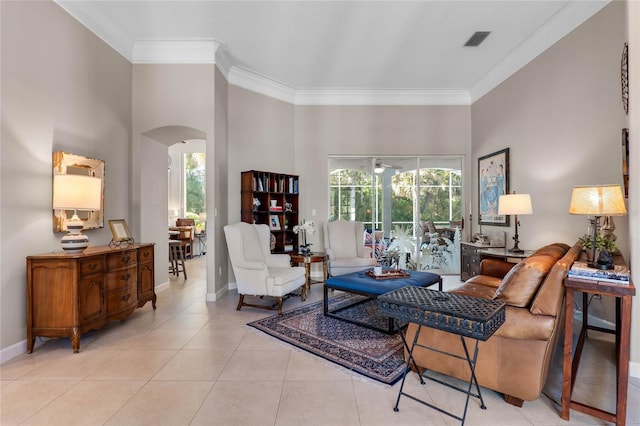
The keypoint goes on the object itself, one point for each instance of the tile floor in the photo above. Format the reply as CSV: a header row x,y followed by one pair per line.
x,y
197,363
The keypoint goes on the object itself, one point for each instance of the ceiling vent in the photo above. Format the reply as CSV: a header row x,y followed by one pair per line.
x,y
477,38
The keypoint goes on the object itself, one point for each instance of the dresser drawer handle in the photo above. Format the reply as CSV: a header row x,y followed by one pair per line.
x,y
126,297
146,254
125,259
125,277
93,266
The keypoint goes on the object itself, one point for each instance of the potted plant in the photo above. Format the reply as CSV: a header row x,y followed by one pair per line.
x,y
605,247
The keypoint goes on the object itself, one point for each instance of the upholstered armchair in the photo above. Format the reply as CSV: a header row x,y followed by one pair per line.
x,y
344,244
257,271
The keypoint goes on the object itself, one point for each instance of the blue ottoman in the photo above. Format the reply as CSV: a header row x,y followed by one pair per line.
x,y
362,284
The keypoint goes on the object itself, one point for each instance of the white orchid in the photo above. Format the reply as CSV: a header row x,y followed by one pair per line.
x,y
307,227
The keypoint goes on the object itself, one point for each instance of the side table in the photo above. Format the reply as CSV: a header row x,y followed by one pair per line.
x,y
623,295
465,316
307,260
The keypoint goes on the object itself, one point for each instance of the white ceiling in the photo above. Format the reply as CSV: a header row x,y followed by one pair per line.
x,y
347,52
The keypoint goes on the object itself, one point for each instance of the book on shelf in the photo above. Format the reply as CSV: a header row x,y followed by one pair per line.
x,y
275,209
288,248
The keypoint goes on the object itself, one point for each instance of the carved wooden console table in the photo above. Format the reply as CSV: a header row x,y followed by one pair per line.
x,y
70,294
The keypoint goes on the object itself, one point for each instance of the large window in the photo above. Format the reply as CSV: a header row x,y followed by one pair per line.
x,y
384,192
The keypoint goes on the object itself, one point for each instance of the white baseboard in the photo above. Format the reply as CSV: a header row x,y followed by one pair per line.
x,y
212,297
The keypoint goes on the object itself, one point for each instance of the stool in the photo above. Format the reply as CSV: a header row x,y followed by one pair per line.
x,y
176,258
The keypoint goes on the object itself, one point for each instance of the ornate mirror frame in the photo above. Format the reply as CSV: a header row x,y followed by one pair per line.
x,y
66,163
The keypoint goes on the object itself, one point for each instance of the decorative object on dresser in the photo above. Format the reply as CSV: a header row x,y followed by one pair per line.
x,y
76,192
597,201
272,199
120,233
493,181
70,294
515,204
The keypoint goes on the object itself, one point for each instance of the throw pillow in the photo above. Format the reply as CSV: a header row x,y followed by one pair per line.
x,y
522,281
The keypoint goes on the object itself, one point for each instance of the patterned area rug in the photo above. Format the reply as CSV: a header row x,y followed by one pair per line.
x,y
368,352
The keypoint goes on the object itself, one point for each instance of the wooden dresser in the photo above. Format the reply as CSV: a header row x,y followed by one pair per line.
x,y
70,294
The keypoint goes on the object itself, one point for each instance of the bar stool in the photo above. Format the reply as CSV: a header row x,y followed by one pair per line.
x,y
176,259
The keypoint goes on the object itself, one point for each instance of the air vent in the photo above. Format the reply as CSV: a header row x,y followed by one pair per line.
x,y
477,38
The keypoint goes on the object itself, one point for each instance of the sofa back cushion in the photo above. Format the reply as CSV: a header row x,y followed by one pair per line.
x,y
548,300
523,280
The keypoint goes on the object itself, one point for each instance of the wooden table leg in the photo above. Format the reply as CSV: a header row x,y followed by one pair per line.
x,y
623,337
567,350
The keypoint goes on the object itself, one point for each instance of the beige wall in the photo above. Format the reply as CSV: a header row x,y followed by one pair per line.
x,y
62,89
218,209
562,117
321,131
169,95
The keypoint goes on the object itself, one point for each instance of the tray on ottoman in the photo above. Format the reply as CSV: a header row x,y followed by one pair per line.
x,y
464,315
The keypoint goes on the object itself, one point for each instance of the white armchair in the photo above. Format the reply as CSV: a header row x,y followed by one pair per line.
x,y
257,271
344,243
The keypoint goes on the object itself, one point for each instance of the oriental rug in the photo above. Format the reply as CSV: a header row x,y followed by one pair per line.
x,y
368,352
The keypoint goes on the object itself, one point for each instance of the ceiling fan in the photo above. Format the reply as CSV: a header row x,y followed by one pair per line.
x,y
380,166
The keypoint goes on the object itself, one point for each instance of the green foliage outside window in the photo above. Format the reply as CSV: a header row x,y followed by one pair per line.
x,y
352,194
195,182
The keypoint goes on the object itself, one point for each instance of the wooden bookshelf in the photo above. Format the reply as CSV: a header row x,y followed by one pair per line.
x,y
280,189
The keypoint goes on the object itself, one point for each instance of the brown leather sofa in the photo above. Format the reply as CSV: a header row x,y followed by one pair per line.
x,y
515,360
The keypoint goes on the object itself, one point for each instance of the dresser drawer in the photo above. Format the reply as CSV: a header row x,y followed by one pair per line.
x,y
92,265
468,249
124,278
122,300
145,254
121,259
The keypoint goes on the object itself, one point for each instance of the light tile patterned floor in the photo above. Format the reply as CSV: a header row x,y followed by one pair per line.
x,y
192,362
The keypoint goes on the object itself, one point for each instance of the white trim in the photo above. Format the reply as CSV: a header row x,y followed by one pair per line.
x,y
383,97
260,84
14,350
196,51
212,297
559,25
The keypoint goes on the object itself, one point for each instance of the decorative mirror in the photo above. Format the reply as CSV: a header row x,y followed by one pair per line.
x,y
65,163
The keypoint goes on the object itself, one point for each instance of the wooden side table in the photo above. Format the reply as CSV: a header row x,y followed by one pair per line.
x,y
308,259
623,295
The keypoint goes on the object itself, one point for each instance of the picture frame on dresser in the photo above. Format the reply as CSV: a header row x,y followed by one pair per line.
x,y
119,230
493,181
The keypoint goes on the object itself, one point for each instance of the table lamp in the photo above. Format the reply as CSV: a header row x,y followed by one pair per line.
x,y
515,204
76,192
597,201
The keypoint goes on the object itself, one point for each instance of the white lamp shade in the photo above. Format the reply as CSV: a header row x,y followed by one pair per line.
x,y
515,204
597,200
77,192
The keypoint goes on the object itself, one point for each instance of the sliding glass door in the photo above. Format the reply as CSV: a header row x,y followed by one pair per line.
x,y
397,196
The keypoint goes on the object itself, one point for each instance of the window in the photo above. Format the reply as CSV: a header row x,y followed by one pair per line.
x,y
195,187
393,193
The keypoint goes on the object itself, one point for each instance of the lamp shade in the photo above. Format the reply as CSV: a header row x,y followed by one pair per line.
x,y
597,200
76,192
515,204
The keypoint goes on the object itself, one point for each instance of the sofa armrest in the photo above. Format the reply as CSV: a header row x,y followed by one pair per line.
x,y
522,324
495,267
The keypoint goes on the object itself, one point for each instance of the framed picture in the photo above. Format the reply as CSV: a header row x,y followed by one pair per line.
x,y
493,181
625,161
274,222
119,230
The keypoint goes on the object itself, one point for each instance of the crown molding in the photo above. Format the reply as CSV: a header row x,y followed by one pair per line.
x,y
558,26
260,84
196,51
383,97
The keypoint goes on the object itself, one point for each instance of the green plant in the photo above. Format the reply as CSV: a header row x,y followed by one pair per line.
x,y
602,243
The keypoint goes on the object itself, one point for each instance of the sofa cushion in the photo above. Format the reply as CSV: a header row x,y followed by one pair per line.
x,y
522,281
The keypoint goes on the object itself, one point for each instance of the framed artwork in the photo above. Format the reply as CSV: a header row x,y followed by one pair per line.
x,y
119,230
625,161
493,181
274,222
